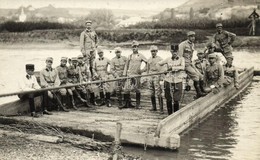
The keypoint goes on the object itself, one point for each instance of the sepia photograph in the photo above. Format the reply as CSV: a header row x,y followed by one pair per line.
x,y
129,80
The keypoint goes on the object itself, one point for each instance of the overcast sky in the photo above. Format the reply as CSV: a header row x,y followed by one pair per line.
x,y
109,4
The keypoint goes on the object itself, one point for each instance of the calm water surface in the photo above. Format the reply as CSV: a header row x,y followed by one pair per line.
x,y
231,132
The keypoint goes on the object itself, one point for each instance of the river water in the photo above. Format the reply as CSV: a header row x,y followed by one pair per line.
x,y
231,132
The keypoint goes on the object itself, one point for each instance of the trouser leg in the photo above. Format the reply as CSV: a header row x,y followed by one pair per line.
x,y
153,100
176,106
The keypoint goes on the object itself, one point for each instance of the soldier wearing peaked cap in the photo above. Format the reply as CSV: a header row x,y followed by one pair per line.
x,y
88,44
133,68
173,81
62,70
186,49
154,81
29,83
49,78
117,68
73,78
214,73
100,71
224,40
230,72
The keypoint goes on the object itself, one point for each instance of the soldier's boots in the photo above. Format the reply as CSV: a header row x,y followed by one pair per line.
x,y
108,103
119,96
153,100
92,99
138,100
176,106
169,106
160,99
86,101
201,84
61,104
73,102
102,97
198,90
126,98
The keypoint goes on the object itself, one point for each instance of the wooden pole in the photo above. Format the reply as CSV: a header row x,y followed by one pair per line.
x,y
78,84
117,148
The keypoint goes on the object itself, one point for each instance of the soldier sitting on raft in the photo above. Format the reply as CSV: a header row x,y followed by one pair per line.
x,y
29,83
201,63
214,74
63,76
230,73
49,78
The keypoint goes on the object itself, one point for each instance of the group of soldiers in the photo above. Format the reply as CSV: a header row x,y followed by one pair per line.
x,y
206,72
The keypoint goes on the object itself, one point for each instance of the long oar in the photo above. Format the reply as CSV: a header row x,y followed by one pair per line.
x,y
78,84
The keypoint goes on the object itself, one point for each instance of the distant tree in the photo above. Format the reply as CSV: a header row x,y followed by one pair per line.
x,y
103,18
191,13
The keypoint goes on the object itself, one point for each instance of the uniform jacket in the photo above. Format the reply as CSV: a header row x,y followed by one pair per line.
x,y
225,39
88,40
28,83
63,74
186,49
49,78
215,74
84,72
101,67
117,66
73,74
177,66
152,64
133,64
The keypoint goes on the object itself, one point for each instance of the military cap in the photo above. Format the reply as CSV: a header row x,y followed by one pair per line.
x,y
49,59
230,56
29,66
80,56
153,48
135,43
175,47
211,45
190,33
88,21
212,55
100,50
74,59
64,59
118,49
219,25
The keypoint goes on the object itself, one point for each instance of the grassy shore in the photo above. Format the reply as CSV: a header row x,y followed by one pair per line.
x,y
69,38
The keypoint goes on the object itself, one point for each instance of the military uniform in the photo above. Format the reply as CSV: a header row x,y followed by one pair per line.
x,y
88,45
49,78
29,83
133,68
225,39
230,74
214,74
117,68
100,70
173,86
186,49
201,65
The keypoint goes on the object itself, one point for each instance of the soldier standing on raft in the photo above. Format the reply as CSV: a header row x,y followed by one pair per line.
x,y
173,81
154,81
88,44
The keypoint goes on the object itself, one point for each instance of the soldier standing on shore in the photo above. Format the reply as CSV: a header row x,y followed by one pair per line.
x,y
254,17
186,49
88,44
154,81
133,68
224,39
117,68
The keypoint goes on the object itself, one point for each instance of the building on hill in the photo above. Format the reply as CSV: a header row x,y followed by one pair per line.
x,y
22,16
